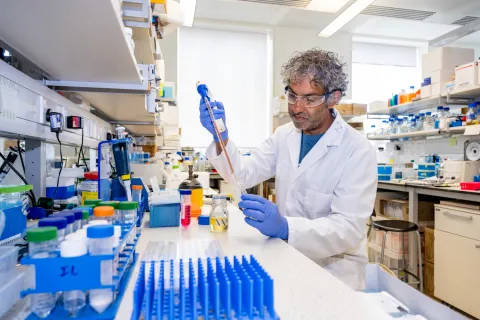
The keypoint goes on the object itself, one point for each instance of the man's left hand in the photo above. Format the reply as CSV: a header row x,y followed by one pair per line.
x,y
264,216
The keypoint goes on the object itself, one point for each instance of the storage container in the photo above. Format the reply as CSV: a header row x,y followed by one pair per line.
x,y
10,291
384,169
165,209
8,261
64,191
88,188
384,177
427,167
14,205
422,174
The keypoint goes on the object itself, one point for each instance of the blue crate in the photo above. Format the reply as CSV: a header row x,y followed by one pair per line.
x,y
384,177
242,290
426,173
15,222
384,169
426,167
63,193
165,215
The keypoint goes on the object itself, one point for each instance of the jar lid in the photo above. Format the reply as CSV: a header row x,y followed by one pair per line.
x,y
93,202
87,208
78,213
185,192
73,248
41,234
137,187
58,222
102,231
104,211
16,188
85,215
70,216
127,205
80,234
92,175
113,204
204,220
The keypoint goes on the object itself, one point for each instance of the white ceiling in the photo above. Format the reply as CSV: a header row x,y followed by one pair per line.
x,y
446,12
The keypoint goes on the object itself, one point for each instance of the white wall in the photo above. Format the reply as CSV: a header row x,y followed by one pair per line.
x,y
290,40
169,51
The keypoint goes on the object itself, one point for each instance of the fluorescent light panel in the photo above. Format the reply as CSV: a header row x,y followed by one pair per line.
x,y
188,8
347,15
331,6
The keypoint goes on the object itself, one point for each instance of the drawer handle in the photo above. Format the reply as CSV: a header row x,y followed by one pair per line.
x,y
477,246
458,216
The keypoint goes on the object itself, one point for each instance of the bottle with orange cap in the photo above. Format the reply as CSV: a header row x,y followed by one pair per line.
x,y
104,213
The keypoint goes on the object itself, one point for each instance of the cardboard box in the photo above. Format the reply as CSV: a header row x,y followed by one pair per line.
x,y
359,109
442,76
345,108
428,279
425,209
466,75
426,92
445,58
436,89
429,244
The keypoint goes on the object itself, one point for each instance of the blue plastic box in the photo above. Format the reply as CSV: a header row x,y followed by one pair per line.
x,y
63,193
14,204
426,174
384,177
381,170
426,167
165,209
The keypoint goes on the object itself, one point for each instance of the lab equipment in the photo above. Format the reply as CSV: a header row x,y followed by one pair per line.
x,y
70,216
14,205
165,209
185,207
104,213
218,124
100,242
92,202
77,224
137,193
191,183
42,243
58,222
384,169
429,122
219,216
127,211
88,188
114,205
462,171
74,300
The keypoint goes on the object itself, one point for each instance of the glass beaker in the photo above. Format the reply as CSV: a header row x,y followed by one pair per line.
x,y
219,214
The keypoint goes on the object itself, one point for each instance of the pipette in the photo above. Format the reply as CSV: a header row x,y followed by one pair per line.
x,y
202,89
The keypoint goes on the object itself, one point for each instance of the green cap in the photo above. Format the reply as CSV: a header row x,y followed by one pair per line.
x,y
93,202
175,167
41,234
16,188
85,214
128,205
113,204
88,205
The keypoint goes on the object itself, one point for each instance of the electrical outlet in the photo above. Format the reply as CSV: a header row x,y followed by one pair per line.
x,y
55,119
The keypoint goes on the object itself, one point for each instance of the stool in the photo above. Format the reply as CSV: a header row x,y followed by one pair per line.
x,y
402,227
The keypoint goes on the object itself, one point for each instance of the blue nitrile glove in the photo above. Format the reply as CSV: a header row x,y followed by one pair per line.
x,y
264,216
218,113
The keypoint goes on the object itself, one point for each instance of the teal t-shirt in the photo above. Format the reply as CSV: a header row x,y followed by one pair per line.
x,y
307,144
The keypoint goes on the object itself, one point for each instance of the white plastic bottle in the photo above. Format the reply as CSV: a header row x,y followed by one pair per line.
x,y
42,243
100,242
75,300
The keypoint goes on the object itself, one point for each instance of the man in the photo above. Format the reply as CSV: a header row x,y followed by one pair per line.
x,y
325,171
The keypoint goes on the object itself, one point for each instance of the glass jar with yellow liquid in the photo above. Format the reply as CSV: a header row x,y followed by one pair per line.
x,y
219,214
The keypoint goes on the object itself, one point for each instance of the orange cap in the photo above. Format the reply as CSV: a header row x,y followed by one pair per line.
x,y
136,187
104,211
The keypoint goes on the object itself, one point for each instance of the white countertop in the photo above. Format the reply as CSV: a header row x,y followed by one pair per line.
x,y
303,290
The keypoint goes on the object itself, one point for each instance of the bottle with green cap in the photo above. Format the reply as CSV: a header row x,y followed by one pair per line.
x,y
42,243
93,202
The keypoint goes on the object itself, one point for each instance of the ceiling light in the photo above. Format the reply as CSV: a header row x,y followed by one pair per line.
x,y
326,5
188,8
347,15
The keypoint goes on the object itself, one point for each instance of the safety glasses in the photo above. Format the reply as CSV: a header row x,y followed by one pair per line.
x,y
310,101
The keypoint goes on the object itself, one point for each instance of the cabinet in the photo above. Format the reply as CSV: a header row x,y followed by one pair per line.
x,y
457,258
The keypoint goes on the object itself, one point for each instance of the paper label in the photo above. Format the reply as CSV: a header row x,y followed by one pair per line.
x,y
89,195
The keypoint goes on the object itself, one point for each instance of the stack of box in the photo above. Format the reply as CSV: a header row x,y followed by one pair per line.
x,y
466,76
439,65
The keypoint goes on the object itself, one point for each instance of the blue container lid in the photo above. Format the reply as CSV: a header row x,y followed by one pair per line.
x,y
204,220
70,216
101,231
78,213
59,222
446,108
439,108
185,192
428,113
90,210
421,114
472,105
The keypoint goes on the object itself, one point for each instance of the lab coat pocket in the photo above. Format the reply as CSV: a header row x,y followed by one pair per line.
x,y
316,204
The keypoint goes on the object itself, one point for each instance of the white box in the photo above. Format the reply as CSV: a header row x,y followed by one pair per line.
x,y
446,58
426,92
436,89
466,75
449,86
442,76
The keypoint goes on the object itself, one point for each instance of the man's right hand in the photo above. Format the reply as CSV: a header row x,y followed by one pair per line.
x,y
218,113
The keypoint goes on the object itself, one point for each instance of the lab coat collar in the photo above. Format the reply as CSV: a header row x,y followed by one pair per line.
x,y
332,138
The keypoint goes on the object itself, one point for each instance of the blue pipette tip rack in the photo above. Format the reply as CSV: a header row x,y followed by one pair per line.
x,y
217,289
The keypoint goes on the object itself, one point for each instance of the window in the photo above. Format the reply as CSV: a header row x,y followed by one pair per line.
x,y
235,67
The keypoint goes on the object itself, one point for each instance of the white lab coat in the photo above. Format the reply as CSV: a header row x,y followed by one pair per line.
x,y
327,200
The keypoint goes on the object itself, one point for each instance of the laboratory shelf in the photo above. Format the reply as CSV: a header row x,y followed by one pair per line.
x,y
397,136
144,45
470,92
55,37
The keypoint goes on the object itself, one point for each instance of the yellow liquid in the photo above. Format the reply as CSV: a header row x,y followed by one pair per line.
x,y
197,197
219,224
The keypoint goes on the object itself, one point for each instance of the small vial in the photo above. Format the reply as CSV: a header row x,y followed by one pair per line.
x,y
185,206
58,222
104,213
114,204
137,193
85,217
77,224
127,211
70,216
219,214
100,242
117,233
75,300
42,243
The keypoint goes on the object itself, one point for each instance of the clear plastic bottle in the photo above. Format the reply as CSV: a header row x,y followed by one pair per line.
x,y
428,123
100,242
410,117
104,213
58,222
168,167
75,300
384,127
404,128
388,129
438,116
471,114
420,120
42,243
70,216
444,120
219,214
186,206
88,188
413,126
77,224
127,211
394,129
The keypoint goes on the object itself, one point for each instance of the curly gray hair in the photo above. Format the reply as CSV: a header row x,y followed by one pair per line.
x,y
324,67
